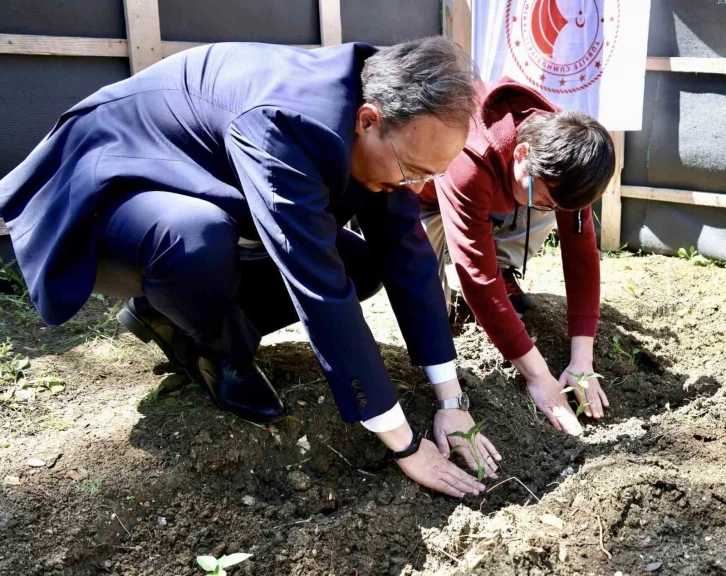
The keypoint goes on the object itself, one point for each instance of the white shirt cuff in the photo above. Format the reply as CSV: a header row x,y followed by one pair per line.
x,y
387,421
441,372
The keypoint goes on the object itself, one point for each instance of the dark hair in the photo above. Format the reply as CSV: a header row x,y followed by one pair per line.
x,y
572,152
427,76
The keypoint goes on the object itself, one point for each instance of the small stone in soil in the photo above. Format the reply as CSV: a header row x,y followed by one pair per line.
x,y
653,566
300,481
304,444
161,521
248,501
36,463
11,481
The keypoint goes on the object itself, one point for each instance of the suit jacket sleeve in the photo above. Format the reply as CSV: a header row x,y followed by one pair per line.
x,y
391,225
275,155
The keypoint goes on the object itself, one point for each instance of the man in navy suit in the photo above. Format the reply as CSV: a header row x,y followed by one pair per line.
x,y
212,189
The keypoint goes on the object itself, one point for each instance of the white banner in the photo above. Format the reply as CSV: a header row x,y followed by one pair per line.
x,y
585,55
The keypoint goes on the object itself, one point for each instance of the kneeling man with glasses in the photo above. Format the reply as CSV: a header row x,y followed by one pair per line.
x,y
526,168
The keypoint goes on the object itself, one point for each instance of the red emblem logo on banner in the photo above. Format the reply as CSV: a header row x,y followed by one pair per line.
x,y
560,45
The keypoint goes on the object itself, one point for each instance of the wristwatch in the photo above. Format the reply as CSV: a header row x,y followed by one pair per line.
x,y
412,448
461,402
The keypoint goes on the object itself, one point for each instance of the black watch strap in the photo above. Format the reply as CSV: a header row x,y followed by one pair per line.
x,y
412,448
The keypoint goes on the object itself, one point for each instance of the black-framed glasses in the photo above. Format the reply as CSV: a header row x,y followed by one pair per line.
x,y
409,181
538,207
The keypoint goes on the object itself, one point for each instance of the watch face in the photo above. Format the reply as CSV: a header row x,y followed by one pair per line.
x,y
464,401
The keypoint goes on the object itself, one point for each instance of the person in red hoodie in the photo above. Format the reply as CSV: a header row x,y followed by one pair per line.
x,y
526,167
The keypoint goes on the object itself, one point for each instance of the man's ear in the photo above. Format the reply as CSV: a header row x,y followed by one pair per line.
x,y
368,117
521,151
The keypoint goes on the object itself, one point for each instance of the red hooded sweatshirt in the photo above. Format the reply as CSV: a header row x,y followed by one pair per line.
x,y
479,182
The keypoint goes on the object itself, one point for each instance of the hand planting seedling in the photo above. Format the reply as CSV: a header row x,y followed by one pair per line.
x,y
581,384
470,437
618,347
214,567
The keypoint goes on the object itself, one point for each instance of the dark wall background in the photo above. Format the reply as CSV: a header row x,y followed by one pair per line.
x,y
35,90
387,22
684,134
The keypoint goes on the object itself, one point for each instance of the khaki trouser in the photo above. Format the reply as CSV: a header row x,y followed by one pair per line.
x,y
509,242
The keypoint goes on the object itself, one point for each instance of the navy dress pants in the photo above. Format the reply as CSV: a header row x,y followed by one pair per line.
x,y
182,254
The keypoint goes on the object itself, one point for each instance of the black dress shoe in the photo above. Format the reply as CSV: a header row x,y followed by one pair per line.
x,y
244,391
146,323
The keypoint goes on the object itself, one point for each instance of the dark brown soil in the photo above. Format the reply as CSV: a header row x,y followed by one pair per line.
x,y
142,474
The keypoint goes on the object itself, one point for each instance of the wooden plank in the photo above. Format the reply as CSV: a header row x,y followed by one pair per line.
x,y
676,196
3,229
693,65
331,25
32,45
611,204
168,47
457,25
143,32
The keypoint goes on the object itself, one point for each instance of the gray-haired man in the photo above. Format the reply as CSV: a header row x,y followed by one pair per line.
x,y
239,164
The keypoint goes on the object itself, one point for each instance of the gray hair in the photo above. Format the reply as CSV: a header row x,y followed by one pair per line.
x,y
427,76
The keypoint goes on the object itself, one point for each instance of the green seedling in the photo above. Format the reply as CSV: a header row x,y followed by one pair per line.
x,y
618,347
10,275
214,567
692,255
581,384
92,486
470,438
12,365
53,384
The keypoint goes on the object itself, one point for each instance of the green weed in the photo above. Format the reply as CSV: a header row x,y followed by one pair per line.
x,y
618,347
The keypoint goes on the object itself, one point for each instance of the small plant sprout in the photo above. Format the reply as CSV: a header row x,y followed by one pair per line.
x,y
692,255
214,567
581,384
618,347
470,438
92,486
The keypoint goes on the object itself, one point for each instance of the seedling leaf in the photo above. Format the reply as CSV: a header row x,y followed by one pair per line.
x,y
232,559
208,563
477,428
459,434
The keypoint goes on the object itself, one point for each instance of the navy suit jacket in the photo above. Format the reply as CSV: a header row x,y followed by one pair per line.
x,y
265,133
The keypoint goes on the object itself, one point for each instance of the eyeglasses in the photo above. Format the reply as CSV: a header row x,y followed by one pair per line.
x,y
538,207
410,181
